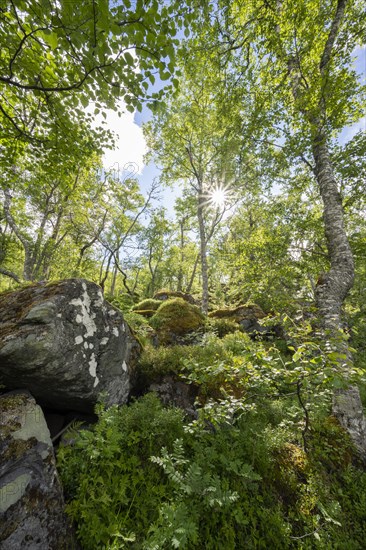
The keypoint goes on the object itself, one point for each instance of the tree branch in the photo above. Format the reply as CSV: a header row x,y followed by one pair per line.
x,y
341,5
10,274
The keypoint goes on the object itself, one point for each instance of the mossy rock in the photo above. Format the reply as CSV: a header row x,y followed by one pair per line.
x,y
223,326
150,304
145,312
292,458
176,317
164,294
15,304
244,311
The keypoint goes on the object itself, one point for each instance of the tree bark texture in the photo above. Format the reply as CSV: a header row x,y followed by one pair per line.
x,y
333,286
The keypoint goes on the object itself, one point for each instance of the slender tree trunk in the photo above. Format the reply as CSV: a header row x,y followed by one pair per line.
x,y
114,273
103,277
193,275
332,289
334,286
25,241
180,272
114,279
203,254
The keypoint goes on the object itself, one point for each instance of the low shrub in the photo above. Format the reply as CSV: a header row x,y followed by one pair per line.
x,y
221,327
262,466
155,363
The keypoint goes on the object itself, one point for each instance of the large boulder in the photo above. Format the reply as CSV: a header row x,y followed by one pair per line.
x,y
239,313
66,345
31,501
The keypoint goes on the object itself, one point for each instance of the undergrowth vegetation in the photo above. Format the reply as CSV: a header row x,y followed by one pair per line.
x,y
263,464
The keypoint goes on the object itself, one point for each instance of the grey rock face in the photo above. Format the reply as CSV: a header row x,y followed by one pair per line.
x,y
174,392
31,502
66,345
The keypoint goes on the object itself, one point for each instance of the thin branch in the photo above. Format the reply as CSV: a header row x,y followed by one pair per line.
x,y
10,274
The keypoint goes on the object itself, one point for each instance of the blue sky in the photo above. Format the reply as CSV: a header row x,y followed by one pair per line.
x,y
128,158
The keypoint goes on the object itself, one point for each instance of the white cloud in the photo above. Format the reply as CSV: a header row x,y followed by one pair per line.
x,y
127,157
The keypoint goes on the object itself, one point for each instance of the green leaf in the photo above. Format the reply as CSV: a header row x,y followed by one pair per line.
x,y
129,59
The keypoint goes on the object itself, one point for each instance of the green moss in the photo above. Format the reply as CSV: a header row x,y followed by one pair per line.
x,y
139,327
176,317
244,311
17,449
16,304
331,445
145,312
155,363
9,410
148,304
165,294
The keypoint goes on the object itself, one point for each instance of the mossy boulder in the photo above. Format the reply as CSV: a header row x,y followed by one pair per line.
x,y
223,326
239,313
246,317
176,318
164,294
147,313
150,304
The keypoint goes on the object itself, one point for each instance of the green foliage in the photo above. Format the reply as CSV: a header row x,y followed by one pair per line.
x,y
139,326
350,492
244,474
80,54
113,486
154,363
122,300
221,327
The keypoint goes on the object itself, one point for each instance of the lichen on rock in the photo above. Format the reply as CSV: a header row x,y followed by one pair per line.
x,y
66,344
31,501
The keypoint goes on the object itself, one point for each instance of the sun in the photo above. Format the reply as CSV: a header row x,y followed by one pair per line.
x,y
218,197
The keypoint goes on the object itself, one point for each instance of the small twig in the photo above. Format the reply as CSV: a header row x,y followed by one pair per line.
x,y
59,434
307,534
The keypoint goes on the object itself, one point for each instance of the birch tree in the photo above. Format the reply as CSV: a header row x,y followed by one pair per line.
x,y
197,150
308,91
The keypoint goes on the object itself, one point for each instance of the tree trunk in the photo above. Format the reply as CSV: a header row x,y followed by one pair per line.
x,y
114,273
203,254
332,289
193,275
180,272
334,285
114,280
